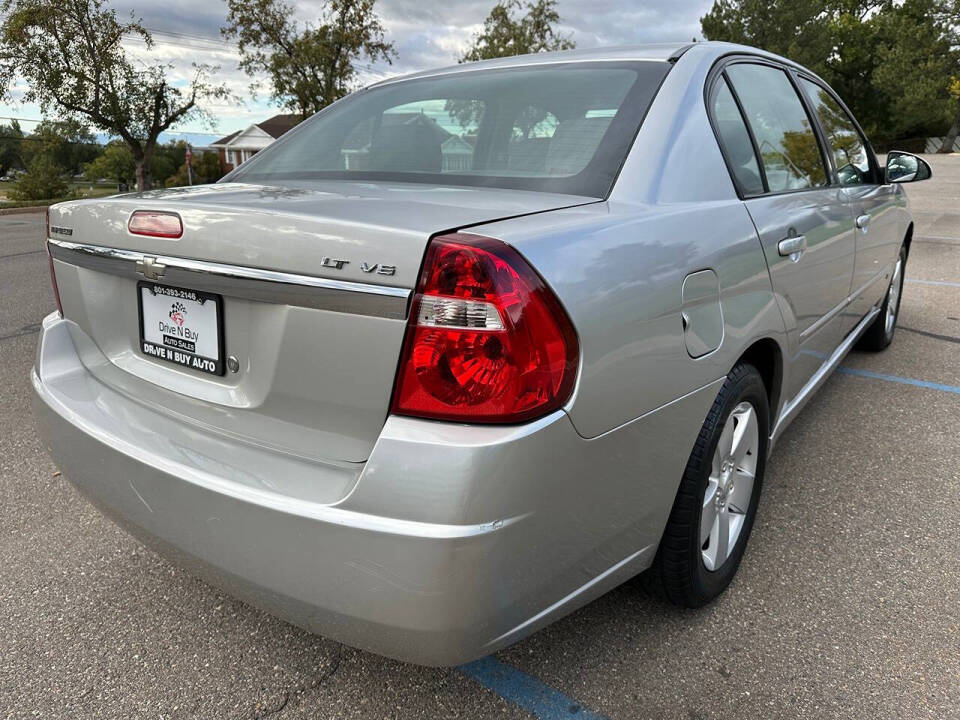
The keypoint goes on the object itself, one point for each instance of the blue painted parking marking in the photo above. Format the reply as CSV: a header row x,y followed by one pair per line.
x,y
528,692
942,283
902,380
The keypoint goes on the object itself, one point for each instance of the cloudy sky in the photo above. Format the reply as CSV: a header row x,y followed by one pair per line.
x,y
427,33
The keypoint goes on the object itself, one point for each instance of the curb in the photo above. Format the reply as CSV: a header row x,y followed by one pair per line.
x,y
20,211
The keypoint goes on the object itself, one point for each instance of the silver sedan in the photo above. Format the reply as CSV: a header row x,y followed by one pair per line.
x,y
469,348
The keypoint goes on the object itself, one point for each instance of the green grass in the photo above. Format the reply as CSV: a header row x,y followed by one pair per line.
x,y
90,190
7,204
77,190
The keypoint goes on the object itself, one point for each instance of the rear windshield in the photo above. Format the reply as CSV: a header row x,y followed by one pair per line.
x,y
563,128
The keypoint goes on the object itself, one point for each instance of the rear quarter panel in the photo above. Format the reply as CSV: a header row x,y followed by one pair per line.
x,y
618,266
619,270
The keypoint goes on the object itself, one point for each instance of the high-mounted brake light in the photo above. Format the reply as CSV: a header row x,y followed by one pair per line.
x,y
487,340
155,224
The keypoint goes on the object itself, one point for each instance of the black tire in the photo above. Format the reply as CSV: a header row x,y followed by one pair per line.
x,y
678,573
878,337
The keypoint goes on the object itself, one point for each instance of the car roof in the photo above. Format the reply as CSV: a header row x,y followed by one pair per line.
x,y
662,52
658,52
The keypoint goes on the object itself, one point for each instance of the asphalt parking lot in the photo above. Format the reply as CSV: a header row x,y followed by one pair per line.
x,y
847,604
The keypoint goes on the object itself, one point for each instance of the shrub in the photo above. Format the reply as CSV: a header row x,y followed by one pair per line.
x,y
44,180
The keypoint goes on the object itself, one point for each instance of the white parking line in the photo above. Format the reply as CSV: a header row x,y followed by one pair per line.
x,y
942,283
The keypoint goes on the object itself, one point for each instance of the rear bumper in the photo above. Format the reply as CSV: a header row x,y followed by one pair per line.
x,y
454,541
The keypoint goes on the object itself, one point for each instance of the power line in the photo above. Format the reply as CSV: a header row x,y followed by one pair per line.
x,y
211,43
7,117
34,138
222,42
205,38
216,41
61,141
165,132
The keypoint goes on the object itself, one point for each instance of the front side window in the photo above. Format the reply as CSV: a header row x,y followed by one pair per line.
x,y
735,140
553,128
848,149
785,137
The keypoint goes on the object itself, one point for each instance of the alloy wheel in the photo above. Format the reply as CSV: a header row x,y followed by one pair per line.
x,y
730,486
893,297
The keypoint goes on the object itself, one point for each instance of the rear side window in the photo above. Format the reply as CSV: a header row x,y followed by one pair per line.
x,y
785,137
848,149
735,140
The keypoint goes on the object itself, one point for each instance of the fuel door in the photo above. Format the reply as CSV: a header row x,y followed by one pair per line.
x,y
701,314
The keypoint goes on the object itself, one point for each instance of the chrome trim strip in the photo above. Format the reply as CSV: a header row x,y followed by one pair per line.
x,y
883,275
845,303
793,407
270,286
824,319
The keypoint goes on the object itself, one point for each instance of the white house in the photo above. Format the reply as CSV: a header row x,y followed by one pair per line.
x,y
242,145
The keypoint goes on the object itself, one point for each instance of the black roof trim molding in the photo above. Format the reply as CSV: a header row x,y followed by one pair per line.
x,y
679,52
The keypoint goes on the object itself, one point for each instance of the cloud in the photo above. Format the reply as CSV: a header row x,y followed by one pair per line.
x,y
426,33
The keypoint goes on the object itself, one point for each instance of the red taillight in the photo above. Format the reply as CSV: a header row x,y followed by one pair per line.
x,y
155,224
53,276
487,340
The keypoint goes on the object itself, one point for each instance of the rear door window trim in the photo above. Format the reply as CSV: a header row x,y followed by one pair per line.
x,y
753,140
719,71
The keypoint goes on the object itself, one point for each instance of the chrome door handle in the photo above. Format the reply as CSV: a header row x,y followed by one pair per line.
x,y
792,247
863,222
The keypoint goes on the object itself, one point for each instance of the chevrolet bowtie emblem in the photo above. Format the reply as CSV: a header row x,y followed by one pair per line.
x,y
150,268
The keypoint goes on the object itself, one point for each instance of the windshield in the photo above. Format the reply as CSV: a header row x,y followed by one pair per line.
x,y
562,128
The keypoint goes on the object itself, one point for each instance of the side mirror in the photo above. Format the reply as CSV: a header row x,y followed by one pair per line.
x,y
903,167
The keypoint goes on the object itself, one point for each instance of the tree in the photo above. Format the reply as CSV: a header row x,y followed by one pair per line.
x,y
916,58
890,61
505,33
11,145
67,143
43,181
951,18
309,66
954,131
118,163
803,152
206,169
70,54
167,158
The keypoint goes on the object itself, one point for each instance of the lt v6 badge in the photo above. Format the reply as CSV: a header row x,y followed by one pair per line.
x,y
378,268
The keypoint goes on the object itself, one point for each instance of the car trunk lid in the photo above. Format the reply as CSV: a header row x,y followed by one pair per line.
x,y
314,280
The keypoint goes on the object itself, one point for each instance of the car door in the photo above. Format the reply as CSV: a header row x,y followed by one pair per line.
x,y
871,202
803,220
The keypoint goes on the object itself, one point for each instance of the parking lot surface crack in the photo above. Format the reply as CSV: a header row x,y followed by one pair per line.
x,y
301,691
31,329
278,709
